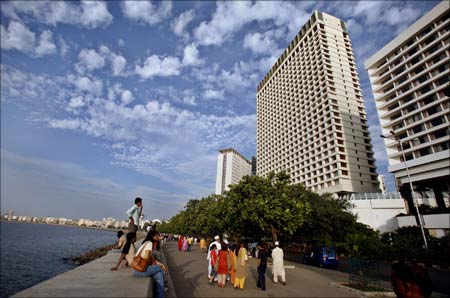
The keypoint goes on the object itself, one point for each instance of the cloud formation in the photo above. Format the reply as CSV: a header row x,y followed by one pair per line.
x,y
180,23
87,14
155,65
147,12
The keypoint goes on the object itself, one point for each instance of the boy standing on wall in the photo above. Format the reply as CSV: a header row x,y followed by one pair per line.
x,y
134,214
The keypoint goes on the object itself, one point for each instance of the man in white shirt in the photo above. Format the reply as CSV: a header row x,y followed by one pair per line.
x,y
278,264
134,214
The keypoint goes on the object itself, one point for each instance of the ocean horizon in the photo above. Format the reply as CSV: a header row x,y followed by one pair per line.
x,y
32,253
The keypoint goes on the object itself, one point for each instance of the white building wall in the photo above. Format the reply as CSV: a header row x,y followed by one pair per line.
x,y
379,214
231,167
219,176
409,79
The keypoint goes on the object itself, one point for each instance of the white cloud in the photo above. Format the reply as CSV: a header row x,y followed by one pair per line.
x,y
159,66
46,45
147,12
17,36
95,14
213,94
179,24
398,16
85,84
127,97
231,16
118,63
260,43
355,29
121,42
63,47
76,102
191,56
88,14
90,59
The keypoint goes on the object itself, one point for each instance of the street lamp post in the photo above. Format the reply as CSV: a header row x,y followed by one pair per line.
x,y
419,216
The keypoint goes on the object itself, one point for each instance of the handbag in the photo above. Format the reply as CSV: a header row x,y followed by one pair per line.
x,y
139,264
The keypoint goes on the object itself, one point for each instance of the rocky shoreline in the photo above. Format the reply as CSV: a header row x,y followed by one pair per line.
x,y
89,256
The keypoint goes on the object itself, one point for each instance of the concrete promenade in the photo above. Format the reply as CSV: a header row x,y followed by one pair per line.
x,y
189,274
93,279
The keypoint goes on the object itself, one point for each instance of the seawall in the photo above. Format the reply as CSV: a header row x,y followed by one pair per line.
x,y
95,279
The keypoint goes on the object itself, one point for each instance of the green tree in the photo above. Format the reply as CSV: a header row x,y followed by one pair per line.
x,y
271,204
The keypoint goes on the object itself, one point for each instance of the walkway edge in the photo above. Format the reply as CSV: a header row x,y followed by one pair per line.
x,y
171,292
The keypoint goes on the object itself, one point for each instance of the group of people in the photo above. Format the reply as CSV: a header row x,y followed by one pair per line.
x,y
185,243
230,263
148,251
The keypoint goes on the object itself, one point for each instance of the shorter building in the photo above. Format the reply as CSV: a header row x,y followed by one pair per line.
x,y
378,210
254,160
231,167
381,184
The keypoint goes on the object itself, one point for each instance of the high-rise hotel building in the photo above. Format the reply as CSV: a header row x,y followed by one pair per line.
x,y
311,119
410,83
231,167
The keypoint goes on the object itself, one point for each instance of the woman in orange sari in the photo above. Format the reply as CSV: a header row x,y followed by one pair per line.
x,y
233,251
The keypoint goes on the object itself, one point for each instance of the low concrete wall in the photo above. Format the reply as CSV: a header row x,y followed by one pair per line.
x,y
94,279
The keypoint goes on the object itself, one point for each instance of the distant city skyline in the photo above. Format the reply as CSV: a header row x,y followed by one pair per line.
x,y
90,119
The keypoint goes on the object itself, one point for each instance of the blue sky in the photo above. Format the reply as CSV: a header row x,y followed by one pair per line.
x,y
105,101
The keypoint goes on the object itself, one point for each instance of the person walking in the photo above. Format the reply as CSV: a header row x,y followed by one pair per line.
x,y
278,264
202,244
223,267
233,264
262,266
180,242
241,266
185,243
218,246
134,214
212,262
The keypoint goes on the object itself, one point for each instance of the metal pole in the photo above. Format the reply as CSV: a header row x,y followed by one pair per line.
x,y
419,216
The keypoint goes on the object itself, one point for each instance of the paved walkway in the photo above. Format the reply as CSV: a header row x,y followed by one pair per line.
x,y
189,274
93,279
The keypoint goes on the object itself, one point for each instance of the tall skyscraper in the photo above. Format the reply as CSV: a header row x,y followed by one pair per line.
x,y
409,78
231,167
311,119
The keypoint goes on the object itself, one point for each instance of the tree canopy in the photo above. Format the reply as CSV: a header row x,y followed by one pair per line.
x,y
269,206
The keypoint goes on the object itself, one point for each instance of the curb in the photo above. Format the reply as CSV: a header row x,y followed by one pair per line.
x,y
362,293
171,292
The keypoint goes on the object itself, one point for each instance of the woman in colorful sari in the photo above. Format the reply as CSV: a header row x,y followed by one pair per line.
x,y
180,242
241,266
233,251
185,244
223,267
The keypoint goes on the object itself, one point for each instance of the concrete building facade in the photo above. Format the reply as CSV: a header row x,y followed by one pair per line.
x,y
410,83
231,167
378,210
381,184
311,120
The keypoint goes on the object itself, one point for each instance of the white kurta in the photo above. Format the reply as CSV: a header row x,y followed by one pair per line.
x,y
278,264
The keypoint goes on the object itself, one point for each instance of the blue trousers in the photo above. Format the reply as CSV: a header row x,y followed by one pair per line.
x,y
262,277
158,276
